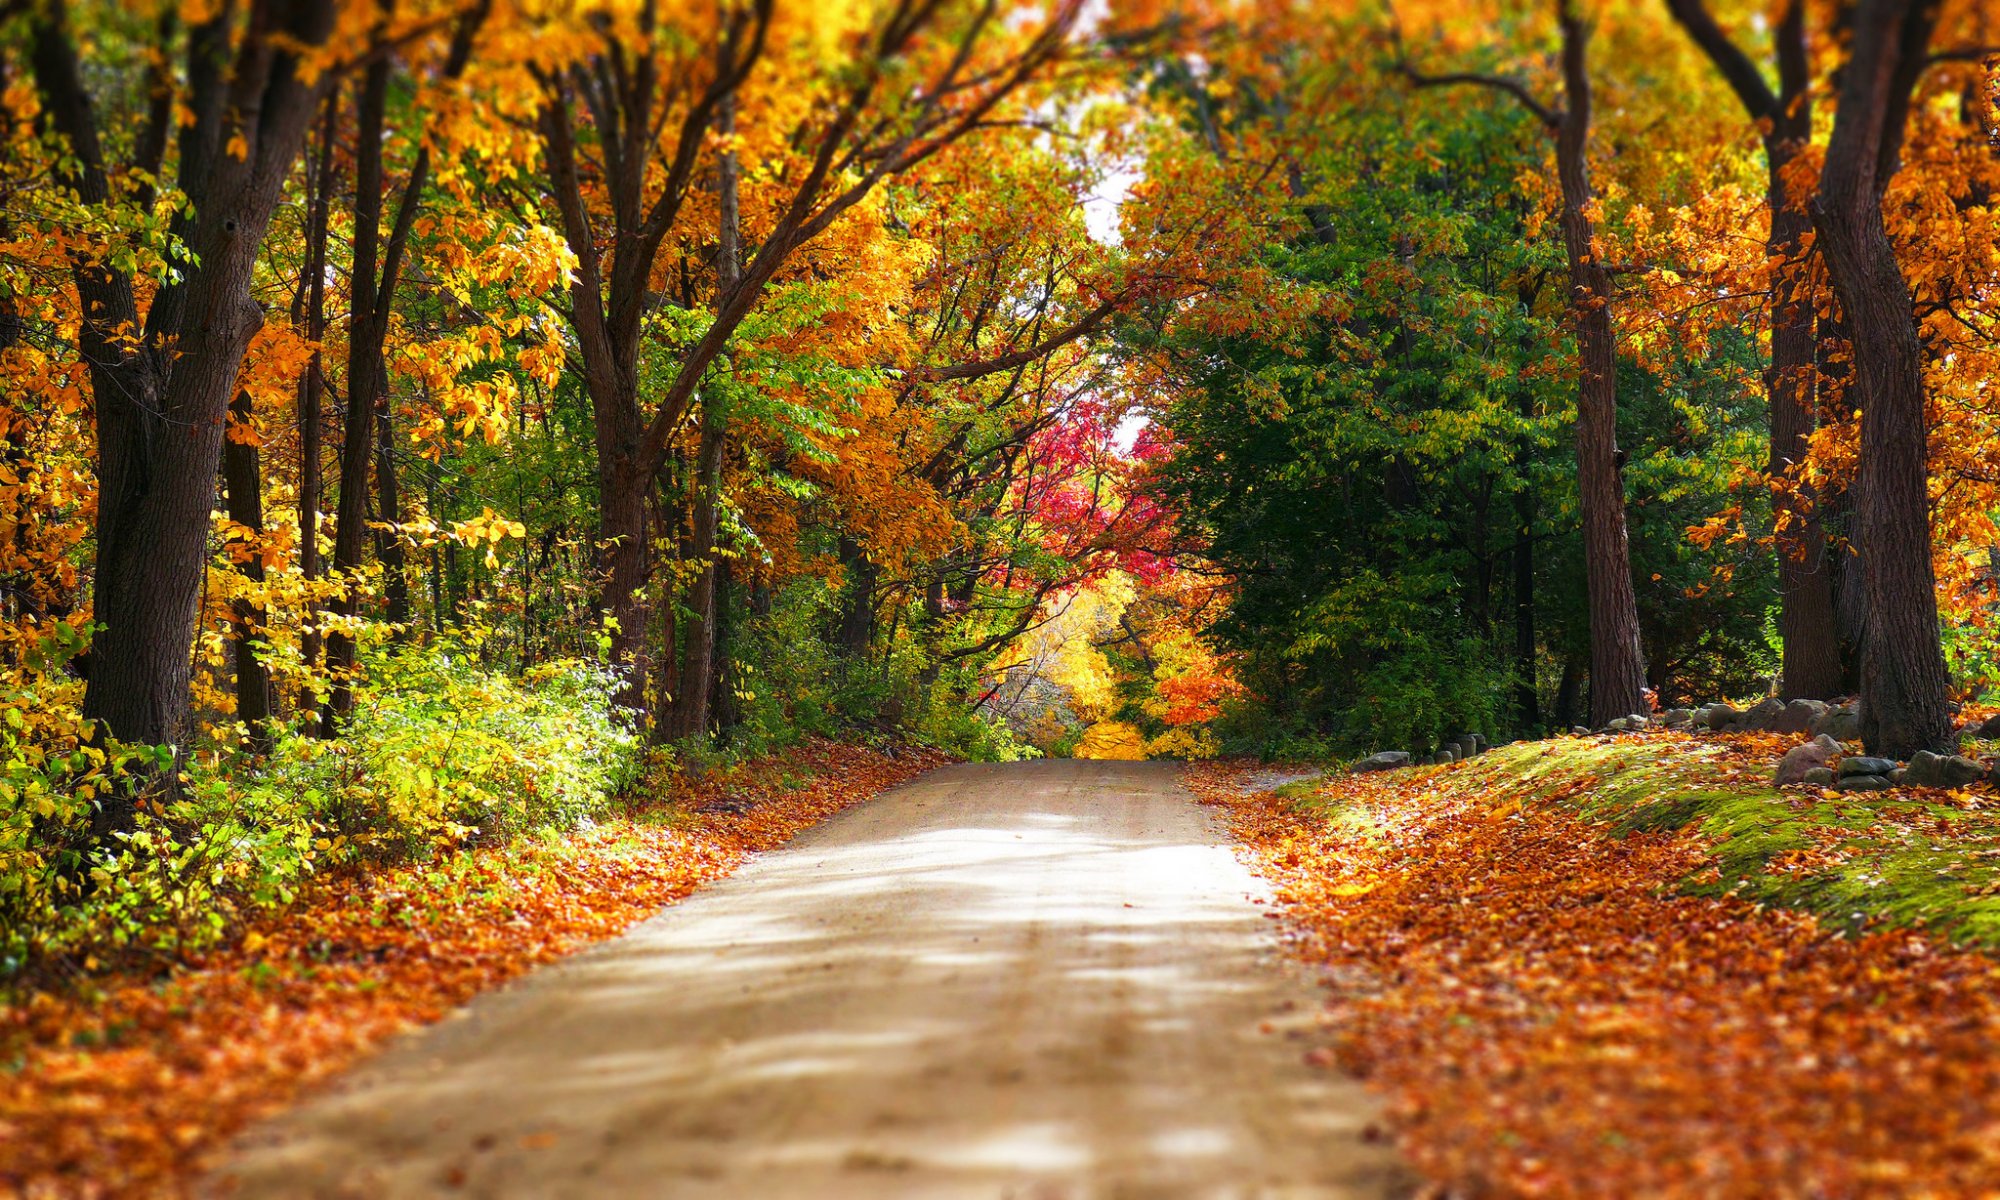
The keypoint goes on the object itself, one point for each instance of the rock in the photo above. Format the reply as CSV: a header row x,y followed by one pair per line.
x,y
1638,720
1842,723
1939,770
1820,777
1720,716
1864,783
1618,725
1387,760
1479,743
1989,728
1803,759
1579,731
1799,716
1674,718
1466,747
1897,776
1862,764
1765,714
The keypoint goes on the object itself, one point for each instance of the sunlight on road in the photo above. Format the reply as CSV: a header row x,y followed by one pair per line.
x,y
1046,974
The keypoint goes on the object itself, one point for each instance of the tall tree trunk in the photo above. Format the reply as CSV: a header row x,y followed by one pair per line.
x,y
376,268
242,475
1812,650
364,383
312,381
698,674
161,404
1903,681
1617,669
689,717
1812,658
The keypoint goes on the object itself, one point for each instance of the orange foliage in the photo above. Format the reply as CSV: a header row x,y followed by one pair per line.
x,y
134,1089
1548,1017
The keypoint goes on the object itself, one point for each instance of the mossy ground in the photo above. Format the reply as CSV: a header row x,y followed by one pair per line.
x,y
1908,858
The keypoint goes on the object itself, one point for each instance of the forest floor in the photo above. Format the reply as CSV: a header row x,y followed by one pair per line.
x,y
130,1084
1031,980
1629,966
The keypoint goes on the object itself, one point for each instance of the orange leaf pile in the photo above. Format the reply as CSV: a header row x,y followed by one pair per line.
x,y
134,1090
1549,1016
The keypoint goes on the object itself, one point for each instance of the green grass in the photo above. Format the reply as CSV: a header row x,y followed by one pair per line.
x,y
1915,860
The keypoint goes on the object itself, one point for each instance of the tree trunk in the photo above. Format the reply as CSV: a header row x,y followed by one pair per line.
x,y
1617,669
1903,681
389,549
312,382
698,674
243,477
365,371
857,613
1812,658
689,717
1527,703
624,563
161,406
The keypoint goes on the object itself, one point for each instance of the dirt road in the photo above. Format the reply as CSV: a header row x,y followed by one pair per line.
x,y
1040,981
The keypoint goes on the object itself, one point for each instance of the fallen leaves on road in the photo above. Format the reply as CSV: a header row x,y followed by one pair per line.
x,y
1549,1015
131,1091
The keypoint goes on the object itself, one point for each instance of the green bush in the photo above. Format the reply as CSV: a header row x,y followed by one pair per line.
x,y
441,752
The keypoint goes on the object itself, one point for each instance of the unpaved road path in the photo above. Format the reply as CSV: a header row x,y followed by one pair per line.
x,y
1041,981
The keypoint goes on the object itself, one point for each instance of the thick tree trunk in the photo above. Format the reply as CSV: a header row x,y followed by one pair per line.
x,y
242,475
1903,680
1617,669
1806,620
624,563
161,408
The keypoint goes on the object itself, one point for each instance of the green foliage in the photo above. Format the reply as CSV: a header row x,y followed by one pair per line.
x,y
1372,477
442,752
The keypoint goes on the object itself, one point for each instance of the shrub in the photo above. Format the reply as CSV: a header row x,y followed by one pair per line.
x,y
440,752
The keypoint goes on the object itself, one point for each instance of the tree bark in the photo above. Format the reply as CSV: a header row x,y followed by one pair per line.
x,y
1904,686
161,404
1812,647
1617,669
312,382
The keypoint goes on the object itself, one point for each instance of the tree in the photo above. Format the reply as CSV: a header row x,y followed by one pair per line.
x,y
163,379
1903,680
1806,622
917,82
374,271
1617,668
